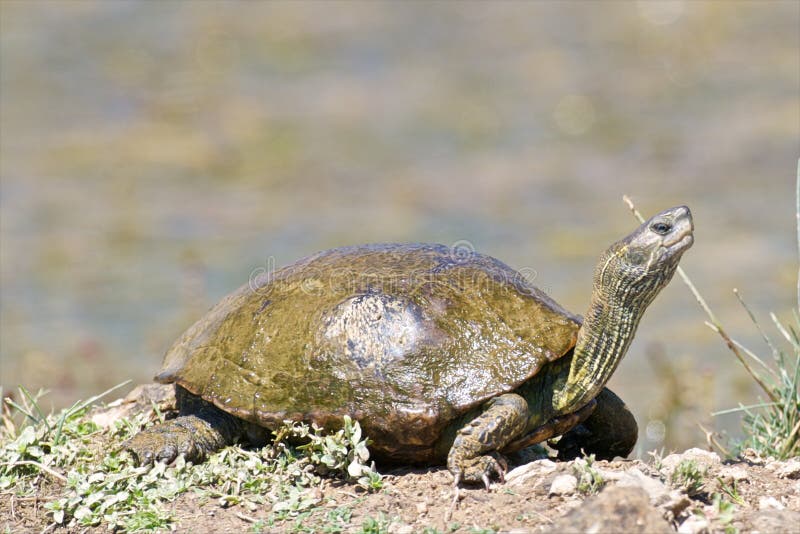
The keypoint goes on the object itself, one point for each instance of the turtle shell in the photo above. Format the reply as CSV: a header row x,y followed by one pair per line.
x,y
402,337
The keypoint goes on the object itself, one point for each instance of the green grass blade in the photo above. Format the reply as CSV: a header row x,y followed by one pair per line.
x,y
755,322
79,406
785,332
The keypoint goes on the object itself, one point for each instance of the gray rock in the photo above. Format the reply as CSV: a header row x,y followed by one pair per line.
x,y
694,524
670,502
396,528
615,509
563,485
752,457
703,458
520,475
775,522
769,503
788,469
735,473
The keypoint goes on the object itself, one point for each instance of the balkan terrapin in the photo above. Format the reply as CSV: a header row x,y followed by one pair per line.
x,y
443,355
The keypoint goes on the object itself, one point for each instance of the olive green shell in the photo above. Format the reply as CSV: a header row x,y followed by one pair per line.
x,y
402,337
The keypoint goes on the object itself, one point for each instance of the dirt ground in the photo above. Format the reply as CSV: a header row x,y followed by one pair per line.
x,y
533,499
748,494
414,500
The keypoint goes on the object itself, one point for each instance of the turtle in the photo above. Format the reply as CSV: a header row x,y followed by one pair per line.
x,y
442,354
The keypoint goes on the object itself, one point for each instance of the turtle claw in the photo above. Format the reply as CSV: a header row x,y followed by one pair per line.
x,y
482,470
154,445
189,435
475,450
503,464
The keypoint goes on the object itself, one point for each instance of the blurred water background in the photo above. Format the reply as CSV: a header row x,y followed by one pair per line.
x,y
154,155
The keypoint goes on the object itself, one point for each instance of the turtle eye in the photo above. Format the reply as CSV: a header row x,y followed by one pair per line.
x,y
661,227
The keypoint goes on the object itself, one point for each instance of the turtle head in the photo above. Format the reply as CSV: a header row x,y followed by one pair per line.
x,y
634,269
627,278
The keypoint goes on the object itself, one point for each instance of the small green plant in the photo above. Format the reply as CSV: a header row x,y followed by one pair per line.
x,y
719,515
72,465
688,476
658,459
723,514
772,427
337,520
40,451
343,453
590,481
732,491
376,525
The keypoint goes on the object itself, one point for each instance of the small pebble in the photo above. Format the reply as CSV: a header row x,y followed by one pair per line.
x,y
788,469
694,524
769,503
703,458
753,457
735,472
672,501
563,485
520,475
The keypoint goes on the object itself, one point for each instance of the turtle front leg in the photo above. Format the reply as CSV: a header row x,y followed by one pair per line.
x,y
473,456
200,430
609,432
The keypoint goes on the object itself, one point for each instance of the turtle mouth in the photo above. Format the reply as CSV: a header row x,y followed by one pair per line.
x,y
681,244
682,238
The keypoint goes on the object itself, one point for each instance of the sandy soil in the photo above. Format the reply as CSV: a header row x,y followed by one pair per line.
x,y
748,494
534,498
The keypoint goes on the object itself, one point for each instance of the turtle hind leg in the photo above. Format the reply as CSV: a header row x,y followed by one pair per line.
x,y
473,456
609,432
199,430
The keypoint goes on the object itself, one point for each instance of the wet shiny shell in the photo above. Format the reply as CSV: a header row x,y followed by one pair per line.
x,y
403,337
